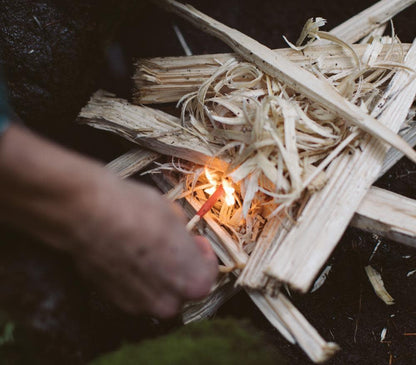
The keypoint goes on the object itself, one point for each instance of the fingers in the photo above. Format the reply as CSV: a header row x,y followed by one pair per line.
x,y
179,212
205,271
205,247
143,258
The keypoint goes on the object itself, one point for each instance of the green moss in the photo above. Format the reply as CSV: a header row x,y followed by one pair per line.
x,y
219,342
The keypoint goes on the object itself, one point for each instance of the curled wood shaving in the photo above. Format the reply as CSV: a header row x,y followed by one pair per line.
x,y
378,285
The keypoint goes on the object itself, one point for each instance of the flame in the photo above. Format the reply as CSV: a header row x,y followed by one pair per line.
x,y
210,191
212,180
211,177
228,188
229,193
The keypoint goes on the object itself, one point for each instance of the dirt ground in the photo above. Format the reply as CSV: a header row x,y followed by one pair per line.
x,y
76,323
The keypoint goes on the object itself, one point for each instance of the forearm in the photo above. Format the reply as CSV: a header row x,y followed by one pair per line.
x,y
45,189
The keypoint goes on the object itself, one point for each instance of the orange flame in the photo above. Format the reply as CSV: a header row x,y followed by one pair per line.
x,y
229,193
228,188
212,180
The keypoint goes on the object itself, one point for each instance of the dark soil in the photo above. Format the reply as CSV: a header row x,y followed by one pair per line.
x,y
56,53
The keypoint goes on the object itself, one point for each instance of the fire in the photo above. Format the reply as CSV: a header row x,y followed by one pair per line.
x,y
212,180
228,188
229,193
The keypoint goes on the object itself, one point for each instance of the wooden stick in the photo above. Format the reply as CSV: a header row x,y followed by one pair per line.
x,y
207,307
393,156
388,214
168,79
327,214
132,162
286,71
363,23
205,208
270,239
151,128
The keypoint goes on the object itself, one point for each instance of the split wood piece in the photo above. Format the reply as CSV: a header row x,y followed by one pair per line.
x,y
393,156
207,307
151,128
286,71
369,217
279,311
327,214
273,234
305,334
168,79
371,18
132,162
389,215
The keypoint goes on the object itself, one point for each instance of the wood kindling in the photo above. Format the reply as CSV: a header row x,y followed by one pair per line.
x,y
137,159
286,71
132,162
371,18
281,69
298,257
387,214
280,312
168,79
151,128
308,245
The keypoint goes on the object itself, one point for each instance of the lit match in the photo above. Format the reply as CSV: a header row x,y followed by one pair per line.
x,y
219,192
224,189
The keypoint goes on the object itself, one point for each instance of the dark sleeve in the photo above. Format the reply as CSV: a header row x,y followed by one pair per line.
x,y
4,106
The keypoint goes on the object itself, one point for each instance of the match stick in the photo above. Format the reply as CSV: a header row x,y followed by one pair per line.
x,y
205,208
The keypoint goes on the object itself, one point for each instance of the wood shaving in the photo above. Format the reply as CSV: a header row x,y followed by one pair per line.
x,y
378,285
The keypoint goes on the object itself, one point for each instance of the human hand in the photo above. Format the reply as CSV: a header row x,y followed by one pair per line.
x,y
136,249
125,236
